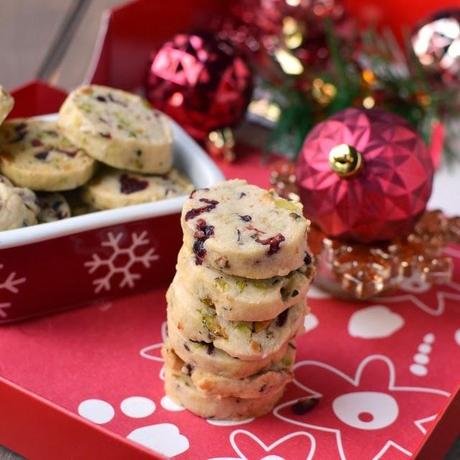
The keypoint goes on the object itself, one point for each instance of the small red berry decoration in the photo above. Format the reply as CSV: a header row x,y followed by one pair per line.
x,y
364,175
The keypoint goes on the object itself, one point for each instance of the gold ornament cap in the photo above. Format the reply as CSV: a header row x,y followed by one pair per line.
x,y
345,160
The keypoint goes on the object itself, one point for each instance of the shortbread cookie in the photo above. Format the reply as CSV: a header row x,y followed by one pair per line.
x,y
34,154
248,340
263,383
18,207
244,230
208,358
180,388
112,188
118,128
242,299
6,104
53,206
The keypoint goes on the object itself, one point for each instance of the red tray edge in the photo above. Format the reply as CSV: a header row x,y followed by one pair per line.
x,y
39,429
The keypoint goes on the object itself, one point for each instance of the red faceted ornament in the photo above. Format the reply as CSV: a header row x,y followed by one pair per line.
x,y
201,82
364,175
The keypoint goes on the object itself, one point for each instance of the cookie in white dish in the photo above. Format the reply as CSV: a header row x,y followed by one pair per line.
x,y
112,188
118,128
36,155
53,207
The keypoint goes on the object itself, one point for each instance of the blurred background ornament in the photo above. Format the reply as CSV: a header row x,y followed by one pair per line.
x,y
436,43
364,176
201,82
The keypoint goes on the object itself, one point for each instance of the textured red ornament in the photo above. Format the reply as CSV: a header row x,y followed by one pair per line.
x,y
201,82
384,198
436,43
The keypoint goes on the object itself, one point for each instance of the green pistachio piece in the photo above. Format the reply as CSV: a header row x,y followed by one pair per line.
x,y
241,284
213,326
222,284
285,204
244,327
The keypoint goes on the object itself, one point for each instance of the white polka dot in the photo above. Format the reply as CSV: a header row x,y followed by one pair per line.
x,y
216,422
168,404
457,336
421,358
310,322
137,407
272,457
96,411
429,338
164,438
424,348
418,369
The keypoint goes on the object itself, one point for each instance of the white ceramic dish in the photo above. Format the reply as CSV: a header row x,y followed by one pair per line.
x,y
189,158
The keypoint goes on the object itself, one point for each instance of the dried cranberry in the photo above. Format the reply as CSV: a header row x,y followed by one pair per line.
x,y
211,204
21,132
202,233
209,348
242,194
282,318
42,155
106,135
205,189
189,369
101,98
129,184
36,143
274,243
69,153
307,259
302,406
115,101
246,218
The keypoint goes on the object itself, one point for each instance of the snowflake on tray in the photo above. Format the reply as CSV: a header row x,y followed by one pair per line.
x,y
121,262
9,284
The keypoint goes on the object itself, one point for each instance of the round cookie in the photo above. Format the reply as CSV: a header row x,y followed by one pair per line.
x,y
17,207
263,383
6,104
34,154
244,230
118,128
240,339
181,389
53,206
243,299
112,188
210,359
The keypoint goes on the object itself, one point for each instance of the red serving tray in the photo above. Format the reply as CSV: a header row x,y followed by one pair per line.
x,y
359,356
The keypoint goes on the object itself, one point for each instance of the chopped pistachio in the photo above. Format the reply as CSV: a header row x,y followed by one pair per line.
x,y
213,326
207,301
285,204
244,327
222,284
260,284
286,361
241,284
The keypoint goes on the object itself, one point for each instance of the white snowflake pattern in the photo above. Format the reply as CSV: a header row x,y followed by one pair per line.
x,y
9,284
121,261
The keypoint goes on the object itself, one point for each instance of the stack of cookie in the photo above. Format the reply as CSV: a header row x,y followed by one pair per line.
x,y
107,149
237,301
